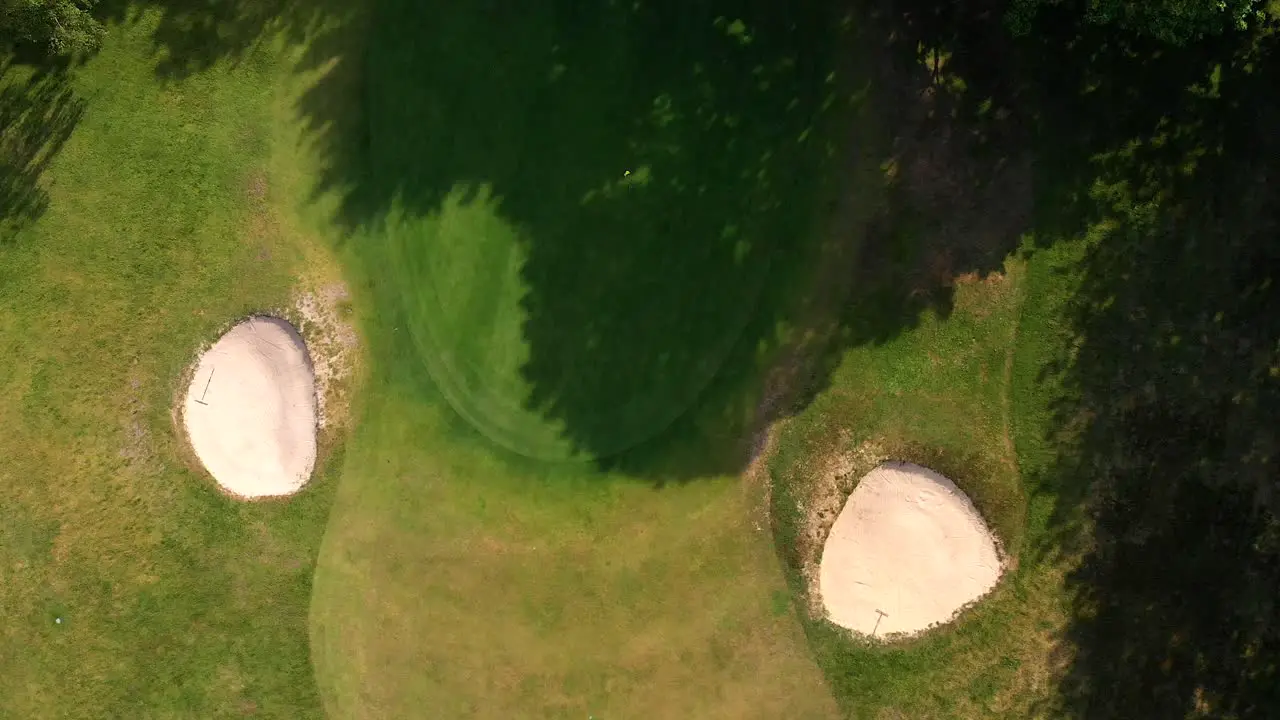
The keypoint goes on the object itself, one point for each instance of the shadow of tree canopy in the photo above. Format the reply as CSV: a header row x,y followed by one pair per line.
x,y
191,36
1161,162
652,160
1169,159
685,179
960,171
670,167
38,112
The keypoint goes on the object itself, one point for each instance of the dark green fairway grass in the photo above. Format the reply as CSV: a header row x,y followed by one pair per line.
x,y
581,206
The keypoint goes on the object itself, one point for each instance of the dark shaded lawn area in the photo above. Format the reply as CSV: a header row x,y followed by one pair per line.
x,y
1161,164
651,160
1170,435
756,202
734,119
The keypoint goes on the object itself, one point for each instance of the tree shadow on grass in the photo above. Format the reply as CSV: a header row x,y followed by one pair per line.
x,y
1162,161
1167,452
697,204
959,163
38,112
658,165
1166,433
643,289
1160,164
192,36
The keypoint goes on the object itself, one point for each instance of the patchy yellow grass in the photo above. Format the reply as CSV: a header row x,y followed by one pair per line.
x,y
478,588
168,218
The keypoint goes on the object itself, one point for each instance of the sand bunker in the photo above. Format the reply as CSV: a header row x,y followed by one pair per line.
x,y
250,411
908,551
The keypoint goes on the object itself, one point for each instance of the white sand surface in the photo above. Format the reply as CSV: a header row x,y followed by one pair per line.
x,y
908,551
250,411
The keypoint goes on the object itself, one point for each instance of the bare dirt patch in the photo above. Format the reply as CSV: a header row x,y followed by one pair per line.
x,y
831,484
322,317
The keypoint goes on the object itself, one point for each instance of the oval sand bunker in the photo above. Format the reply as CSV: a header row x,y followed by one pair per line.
x,y
908,551
250,411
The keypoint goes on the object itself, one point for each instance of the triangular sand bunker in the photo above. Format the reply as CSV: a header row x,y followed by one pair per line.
x,y
908,551
250,411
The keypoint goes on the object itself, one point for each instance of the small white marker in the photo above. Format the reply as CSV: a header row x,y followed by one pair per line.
x,y
58,620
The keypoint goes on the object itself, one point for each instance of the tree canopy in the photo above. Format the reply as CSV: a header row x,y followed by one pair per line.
x,y
1173,21
59,27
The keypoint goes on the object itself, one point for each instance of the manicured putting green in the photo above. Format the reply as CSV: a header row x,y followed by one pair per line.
x,y
460,282
585,212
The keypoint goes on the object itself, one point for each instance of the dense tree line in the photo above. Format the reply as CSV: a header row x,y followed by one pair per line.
x,y
61,27
1171,21
55,27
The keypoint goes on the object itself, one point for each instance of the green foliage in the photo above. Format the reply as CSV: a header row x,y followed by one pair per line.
x,y
61,27
1173,21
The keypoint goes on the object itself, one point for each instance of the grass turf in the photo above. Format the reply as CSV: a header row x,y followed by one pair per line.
x,y
469,582
527,296
163,222
950,394
581,206
457,575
